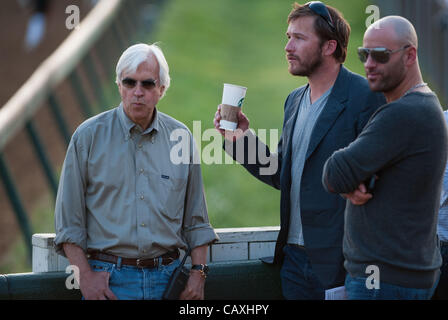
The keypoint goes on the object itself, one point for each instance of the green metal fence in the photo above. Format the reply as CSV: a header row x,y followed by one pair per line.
x,y
236,280
90,50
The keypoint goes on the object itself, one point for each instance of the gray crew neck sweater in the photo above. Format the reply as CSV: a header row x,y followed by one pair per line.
x,y
404,143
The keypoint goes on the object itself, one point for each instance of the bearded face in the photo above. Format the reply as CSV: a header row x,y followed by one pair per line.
x,y
304,48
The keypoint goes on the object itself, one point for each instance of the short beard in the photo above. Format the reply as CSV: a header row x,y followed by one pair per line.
x,y
391,82
311,66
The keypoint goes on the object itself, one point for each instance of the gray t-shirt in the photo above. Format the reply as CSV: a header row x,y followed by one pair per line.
x,y
306,119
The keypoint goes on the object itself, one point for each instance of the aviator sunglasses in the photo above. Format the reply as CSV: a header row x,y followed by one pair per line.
x,y
321,9
380,55
146,84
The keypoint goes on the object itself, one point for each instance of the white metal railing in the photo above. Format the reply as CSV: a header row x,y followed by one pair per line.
x,y
119,19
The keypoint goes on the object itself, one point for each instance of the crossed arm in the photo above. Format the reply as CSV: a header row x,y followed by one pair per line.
x,y
346,171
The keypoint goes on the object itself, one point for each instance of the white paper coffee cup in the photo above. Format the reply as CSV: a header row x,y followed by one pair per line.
x,y
232,96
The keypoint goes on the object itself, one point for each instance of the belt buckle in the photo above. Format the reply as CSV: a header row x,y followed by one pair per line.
x,y
138,261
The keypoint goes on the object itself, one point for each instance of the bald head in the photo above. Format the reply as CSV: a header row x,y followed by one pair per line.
x,y
396,29
399,69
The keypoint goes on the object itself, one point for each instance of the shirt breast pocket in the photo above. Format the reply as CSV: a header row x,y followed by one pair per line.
x,y
168,194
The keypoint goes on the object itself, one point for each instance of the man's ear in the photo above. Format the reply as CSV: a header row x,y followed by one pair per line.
x,y
411,56
162,91
329,47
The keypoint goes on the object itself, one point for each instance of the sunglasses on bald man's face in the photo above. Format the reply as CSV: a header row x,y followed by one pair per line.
x,y
321,9
380,55
146,84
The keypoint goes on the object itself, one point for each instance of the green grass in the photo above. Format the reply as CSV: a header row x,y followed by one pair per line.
x,y
208,43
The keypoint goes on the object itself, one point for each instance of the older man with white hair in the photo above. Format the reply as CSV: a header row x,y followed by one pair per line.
x,y
123,209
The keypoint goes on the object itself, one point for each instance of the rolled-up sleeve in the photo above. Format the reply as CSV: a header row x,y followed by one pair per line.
x,y
70,216
197,229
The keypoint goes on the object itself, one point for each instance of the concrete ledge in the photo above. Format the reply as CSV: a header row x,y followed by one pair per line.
x,y
236,244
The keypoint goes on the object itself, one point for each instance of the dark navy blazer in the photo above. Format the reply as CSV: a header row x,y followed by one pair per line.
x,y
349,107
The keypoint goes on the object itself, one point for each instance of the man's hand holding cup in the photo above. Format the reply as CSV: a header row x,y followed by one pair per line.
x,y
229,120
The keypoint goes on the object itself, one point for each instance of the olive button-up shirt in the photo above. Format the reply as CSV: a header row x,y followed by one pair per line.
x,y
119,191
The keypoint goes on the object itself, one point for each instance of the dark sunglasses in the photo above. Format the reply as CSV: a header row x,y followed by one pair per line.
x,y
380,55
146,84
321,9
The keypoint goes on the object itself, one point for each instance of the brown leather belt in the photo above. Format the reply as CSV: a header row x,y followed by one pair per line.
x,y
166,258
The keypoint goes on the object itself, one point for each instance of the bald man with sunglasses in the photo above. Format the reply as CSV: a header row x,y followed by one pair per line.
x,y
390,243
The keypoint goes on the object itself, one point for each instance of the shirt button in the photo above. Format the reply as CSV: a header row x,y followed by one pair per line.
x,y
142,225
140,146
142,170
142,197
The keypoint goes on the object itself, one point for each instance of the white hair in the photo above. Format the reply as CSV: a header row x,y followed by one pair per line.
x,y
135,55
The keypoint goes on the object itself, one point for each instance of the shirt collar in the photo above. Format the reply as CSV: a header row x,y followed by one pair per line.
x,y
128,125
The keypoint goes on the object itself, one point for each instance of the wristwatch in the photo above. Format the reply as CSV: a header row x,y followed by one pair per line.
x,y
203,268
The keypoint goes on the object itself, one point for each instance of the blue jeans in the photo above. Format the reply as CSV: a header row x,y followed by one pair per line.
x,y
132,283
299,282
356,289
442,288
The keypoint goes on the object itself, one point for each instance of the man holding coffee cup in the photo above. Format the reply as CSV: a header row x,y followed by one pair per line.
x,y
319,118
